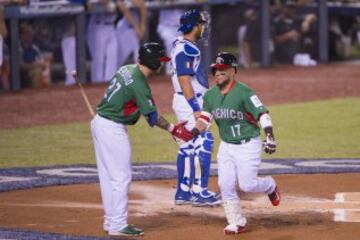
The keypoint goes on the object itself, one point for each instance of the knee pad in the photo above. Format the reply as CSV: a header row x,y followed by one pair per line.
x,y
204,143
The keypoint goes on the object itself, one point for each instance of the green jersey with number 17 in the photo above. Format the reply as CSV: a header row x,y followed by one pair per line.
x,y
236,113
127,97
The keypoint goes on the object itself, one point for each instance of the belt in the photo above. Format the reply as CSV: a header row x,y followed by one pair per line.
x,y
242,141
196,94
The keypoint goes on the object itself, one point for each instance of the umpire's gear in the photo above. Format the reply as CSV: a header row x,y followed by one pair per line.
x,y
152,54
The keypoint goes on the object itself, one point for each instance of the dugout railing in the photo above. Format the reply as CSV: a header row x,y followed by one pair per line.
x,y
14,14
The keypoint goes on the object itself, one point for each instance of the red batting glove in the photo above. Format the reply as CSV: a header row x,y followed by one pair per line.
x,y
180,133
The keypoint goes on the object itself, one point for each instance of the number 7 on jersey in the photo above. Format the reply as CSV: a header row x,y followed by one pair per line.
x,y
235,130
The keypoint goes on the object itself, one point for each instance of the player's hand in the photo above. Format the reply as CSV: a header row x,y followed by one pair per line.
x,y
111,6
197,115
269,144
180,133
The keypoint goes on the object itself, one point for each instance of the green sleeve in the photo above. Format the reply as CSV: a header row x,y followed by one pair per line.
x,y
253,105
206,104
144,100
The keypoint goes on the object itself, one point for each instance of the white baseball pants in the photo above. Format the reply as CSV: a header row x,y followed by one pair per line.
x,y
127,41
240,164
69,58
103,48
113,159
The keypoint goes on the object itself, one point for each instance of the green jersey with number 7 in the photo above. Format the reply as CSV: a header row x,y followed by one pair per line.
x,y
235,113
127,97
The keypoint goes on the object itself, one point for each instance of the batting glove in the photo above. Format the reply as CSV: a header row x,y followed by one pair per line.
x,y
179,133
269,144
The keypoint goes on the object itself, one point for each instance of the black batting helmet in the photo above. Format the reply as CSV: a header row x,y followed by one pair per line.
x,y
151,54
223,61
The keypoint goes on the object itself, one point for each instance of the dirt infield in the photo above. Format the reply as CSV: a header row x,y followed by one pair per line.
x,y
305,212
275,85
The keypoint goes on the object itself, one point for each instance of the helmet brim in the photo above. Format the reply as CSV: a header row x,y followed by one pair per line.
x,y
220,66
164,59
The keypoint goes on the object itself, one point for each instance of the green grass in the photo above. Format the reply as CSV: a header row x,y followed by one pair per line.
x,y
324,129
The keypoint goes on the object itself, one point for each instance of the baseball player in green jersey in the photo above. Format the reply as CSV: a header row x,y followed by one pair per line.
x,y
237,112
126,99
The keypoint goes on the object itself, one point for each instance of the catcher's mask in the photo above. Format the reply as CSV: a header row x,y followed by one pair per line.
x,y
224,60
193,18
152,55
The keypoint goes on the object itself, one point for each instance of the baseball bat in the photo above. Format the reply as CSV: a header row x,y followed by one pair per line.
x,y
75,76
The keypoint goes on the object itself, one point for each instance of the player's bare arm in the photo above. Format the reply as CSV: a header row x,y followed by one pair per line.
x,y
121,6
140,4
202,123
162,123
188,91
179,133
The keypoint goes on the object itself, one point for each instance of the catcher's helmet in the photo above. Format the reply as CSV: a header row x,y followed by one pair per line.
x,y
223,61
190,19
151,54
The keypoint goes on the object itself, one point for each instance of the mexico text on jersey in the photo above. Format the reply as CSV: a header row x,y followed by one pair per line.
x,y
235,113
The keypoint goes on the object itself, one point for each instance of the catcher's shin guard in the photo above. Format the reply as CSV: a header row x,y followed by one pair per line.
x,y
203,149
202,197
183,193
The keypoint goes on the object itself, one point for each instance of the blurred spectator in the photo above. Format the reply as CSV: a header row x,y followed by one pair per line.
x,y
130,29
357,31
4,61
3,34
249,39
102,41
43,38
294,35
43,35
249,35
342,30
168,29
68,46
34,66
68,50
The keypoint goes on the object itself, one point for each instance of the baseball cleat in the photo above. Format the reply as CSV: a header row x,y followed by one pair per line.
x,y
182,197
129,231
209,201
233,229
275,197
